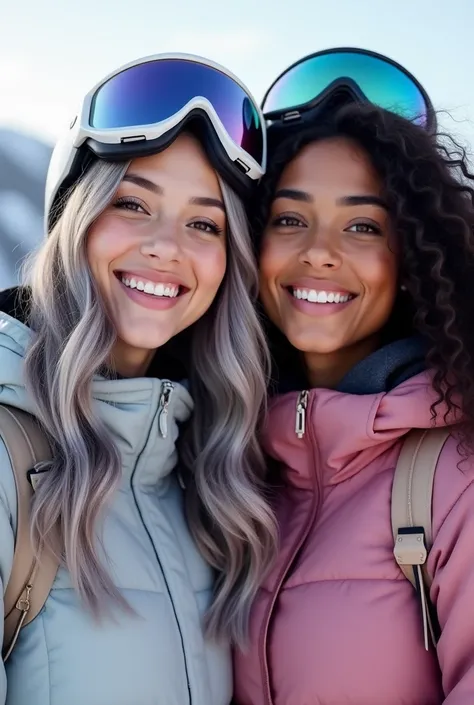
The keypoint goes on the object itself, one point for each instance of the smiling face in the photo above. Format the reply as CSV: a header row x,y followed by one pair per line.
x,y
158,252
328,263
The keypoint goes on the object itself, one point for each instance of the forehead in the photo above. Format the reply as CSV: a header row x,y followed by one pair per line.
x,y
336,165
184,163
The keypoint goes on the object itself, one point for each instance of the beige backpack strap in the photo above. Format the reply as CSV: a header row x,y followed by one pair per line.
x,y
411,514
30,580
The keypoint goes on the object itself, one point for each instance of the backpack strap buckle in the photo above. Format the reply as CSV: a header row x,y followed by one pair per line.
x,y
411,509
410,547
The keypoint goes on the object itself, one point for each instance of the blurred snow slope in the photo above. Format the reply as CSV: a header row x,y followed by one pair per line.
x,y
23,166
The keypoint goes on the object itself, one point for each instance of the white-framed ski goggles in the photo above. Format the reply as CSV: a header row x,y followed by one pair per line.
x,y
140,108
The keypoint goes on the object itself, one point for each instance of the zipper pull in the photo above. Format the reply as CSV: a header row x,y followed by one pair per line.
x,y
166,392
301,404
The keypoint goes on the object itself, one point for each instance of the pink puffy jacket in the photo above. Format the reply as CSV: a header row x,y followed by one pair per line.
x,y
336,622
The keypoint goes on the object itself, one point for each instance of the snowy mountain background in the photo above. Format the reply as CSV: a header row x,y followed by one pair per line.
x,y
23,166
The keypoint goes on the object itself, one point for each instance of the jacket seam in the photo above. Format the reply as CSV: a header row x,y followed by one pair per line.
x,y
369,428
47,653
370,579
169,593
454,504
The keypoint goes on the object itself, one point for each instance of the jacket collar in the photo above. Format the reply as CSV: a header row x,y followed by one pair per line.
x,y
378,402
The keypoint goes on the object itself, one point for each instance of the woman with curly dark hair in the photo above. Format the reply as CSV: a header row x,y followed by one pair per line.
x,y
367,264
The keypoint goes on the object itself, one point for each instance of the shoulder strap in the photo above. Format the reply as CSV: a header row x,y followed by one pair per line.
x,y
31,578
411,514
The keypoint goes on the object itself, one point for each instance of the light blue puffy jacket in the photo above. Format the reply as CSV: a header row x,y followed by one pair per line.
x,y
160,656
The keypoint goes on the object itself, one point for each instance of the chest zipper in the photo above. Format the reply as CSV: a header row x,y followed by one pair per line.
x,y
301,406
300,430
167,389
166,392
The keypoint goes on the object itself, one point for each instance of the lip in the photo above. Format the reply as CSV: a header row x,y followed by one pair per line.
x,y
152,275
318,285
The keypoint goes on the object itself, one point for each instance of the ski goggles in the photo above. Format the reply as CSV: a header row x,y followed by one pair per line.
x,y
363,75
141,108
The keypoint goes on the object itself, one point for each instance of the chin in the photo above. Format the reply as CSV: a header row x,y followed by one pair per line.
x,y
147,342
313,343
145,339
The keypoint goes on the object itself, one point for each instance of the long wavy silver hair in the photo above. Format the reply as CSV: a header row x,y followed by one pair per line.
x,y
228,513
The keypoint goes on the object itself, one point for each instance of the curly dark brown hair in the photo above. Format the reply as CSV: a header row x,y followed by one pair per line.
x,y
430,192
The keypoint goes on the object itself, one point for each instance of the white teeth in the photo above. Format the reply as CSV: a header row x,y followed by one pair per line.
x,y
321,297
148,287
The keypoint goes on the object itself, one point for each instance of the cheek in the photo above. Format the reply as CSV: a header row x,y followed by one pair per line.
x,y
105,242
273,262
380,280
108,239
210,268
381,271
274,257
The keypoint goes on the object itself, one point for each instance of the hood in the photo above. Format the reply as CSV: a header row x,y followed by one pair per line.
x,y
129,407
387,367
345,432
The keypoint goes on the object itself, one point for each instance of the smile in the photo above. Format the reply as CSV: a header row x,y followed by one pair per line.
x,y
150,293
321,297
147,287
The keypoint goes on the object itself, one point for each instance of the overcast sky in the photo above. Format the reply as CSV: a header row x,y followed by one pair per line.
x,y
52,52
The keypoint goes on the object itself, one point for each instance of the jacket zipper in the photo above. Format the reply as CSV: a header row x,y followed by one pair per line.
x,y
301,406
167,389
300,430
166,392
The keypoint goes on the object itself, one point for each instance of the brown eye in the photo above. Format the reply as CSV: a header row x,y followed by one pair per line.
x,y
288,221
364,229
206,227
129,204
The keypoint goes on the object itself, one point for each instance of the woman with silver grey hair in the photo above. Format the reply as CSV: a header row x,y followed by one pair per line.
x,y
139,308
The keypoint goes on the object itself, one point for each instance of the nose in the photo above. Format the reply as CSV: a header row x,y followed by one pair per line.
x,y
321,249
162,242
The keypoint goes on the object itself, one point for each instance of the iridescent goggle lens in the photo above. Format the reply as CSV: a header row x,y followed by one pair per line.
x,y
154,91
383,83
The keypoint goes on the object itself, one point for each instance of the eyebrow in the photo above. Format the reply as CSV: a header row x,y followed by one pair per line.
x,y
364,201
294,195
304,197
143,183
154,188
206,201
